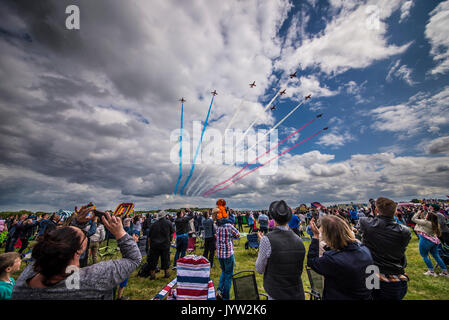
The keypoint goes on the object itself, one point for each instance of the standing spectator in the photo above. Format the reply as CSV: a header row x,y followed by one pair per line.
x,y
89,226
344,265
127,224
281,257
263,223
9,263
428,230
61,248
43,225
240,221
159,239
14,232
209,238
95,240
251,222
137,225
354,216
293,224
387,241
225,253
442,220
24,231
182,234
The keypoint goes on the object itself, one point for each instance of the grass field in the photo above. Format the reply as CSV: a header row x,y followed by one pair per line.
x,y
421,287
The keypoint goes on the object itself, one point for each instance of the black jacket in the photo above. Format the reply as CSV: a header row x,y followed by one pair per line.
x,y
182,224
344,271
387,241
160,233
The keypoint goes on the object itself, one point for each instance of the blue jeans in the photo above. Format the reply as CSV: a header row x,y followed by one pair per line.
x,y
426,246
390,291
227,270
181,248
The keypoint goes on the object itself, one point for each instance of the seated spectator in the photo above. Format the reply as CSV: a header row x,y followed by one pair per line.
x,y
9,263
344,265
281,257
54,272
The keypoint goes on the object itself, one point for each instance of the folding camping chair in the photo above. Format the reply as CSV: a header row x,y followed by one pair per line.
x,y
316,284
192,281
245,286
253,242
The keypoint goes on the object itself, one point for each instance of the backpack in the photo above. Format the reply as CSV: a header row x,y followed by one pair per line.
x,y
144,271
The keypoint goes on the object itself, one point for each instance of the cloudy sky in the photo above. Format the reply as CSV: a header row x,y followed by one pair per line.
x,y
90,114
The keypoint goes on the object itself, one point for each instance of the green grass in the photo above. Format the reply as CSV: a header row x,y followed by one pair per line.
x,y
421,287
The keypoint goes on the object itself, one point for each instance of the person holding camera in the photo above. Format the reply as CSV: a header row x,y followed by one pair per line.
x,y
428,230
387,241
54,273
345,262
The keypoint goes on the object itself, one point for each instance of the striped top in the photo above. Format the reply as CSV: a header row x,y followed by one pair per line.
x,y
225,234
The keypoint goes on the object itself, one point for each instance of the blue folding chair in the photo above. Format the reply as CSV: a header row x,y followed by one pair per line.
x,y
253,242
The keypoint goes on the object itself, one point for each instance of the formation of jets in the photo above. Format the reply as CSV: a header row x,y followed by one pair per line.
x,y
252,85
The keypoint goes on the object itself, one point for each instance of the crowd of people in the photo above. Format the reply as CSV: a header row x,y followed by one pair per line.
x,y
345,242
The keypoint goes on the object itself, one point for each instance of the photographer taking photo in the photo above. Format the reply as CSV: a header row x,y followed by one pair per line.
x,y
57,254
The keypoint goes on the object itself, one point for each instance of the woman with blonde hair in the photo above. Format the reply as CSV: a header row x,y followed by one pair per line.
x,y
345,262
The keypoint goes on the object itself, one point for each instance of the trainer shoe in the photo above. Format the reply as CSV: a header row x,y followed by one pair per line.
x,y
430,273
174,268
442,274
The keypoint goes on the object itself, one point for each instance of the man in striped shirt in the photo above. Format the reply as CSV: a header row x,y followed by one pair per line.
x,y
225,254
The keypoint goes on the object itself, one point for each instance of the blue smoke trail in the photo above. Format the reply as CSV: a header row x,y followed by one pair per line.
x,y
197,148
180,153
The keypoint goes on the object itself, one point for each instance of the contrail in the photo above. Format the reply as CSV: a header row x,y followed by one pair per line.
x,y
180,151
277,125
277,156
227,127
251,125
198,147
255,160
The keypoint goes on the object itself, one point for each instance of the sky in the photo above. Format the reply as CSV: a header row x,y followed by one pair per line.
x,y
93,114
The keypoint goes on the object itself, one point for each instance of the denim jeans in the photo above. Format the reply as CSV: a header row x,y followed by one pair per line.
x,y
426,246
181,248
227,270
390,291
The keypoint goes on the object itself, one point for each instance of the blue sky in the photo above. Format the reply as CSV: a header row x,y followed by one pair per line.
x,y
93,114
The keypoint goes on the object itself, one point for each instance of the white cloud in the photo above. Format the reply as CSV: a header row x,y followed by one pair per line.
x,y
405,10
335,140
346,42
438,146
420,112
436,33
400,72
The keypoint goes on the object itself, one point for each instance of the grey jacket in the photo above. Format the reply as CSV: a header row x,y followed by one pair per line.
x,y
96,282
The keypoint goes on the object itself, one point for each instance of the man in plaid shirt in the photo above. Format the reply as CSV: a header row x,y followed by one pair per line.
x,y
225,254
